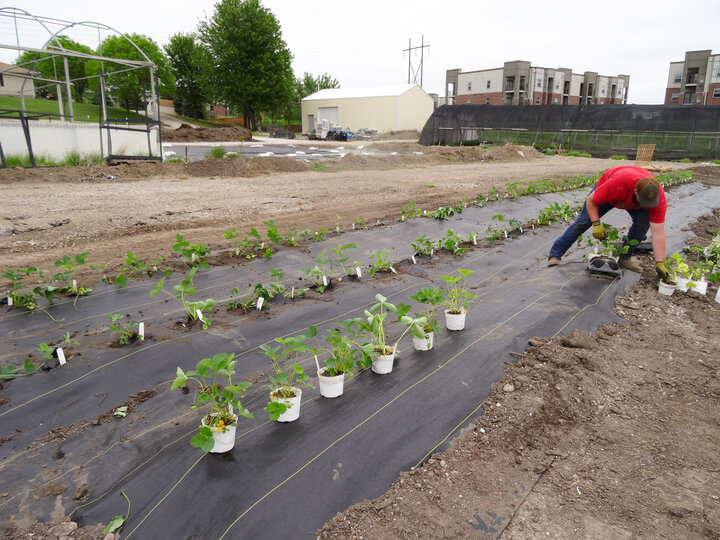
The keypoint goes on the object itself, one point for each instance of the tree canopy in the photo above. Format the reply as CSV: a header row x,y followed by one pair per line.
x,y
191,66
251,62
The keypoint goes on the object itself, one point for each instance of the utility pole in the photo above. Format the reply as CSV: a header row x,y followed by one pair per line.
x,y
413,73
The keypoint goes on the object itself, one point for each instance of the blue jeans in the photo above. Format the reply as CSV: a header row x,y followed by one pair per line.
x,y
638,229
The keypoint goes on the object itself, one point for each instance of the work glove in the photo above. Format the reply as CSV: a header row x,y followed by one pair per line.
x,y
598,230
661,270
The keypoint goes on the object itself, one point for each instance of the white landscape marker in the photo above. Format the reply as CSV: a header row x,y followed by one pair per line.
x,y
325,281
393,270
10,300
74,284
413,259
260,303
317,363
60,356
199,315
475,239
358,271
141,331
505,233
292,293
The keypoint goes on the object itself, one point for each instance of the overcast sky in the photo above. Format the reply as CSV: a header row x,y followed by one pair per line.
x,y
361,43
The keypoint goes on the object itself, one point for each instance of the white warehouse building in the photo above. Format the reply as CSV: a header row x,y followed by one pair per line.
x,y
390,108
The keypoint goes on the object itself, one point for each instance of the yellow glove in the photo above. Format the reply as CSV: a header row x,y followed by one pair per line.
x,y
598,230
661,270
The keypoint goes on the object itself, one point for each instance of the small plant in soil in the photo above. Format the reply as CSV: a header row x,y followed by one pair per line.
x,y
319,234
423,245
195,254
272,233
216,398
452,242
457,296
133,265
183,290
341,257
67,265
380,261
127,330
243,305
445,212
361,223
20,297
9,372
216,152
409,211
289,374
290,238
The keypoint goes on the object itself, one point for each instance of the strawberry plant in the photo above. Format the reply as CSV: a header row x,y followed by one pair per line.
x,y
126,329
423,245
244,305
133,265
380,261
184,289
340,256
432,297
457,296
343,348
452,242
9,372
195,254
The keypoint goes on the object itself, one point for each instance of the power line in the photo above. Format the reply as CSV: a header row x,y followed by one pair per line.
x,y
413,72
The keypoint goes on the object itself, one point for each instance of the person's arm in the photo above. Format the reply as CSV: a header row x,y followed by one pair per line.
x,y
657,230
592,208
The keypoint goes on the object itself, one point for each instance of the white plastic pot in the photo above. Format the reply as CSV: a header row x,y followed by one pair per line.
x,y
383,363
700,286
681,284
331,387
717,297
666,288
224,441
293,405
424,344
455,321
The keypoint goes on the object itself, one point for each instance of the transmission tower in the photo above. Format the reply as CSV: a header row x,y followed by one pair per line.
x,y
414,71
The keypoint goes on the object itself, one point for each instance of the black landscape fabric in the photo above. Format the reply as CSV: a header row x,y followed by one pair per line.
x,y
64,451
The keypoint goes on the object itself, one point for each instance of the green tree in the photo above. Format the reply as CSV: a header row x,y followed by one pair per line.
x,y
251,63
51,67
190,63
130,88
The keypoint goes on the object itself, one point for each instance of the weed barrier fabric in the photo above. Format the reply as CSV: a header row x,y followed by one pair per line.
x,y
340,451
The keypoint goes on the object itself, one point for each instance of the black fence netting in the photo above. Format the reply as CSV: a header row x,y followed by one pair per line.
x,y
603,130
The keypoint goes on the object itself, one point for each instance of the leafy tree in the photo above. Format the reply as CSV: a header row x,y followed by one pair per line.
x,y
130,88
51,67
252,65
190,63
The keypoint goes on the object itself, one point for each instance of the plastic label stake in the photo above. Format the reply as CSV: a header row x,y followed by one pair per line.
x,y
521,231
324,280
505,233
358,271
199,315
74,284
141,331
474,240
260,303
60,356
10,300
262,245
337,229
353,226
431,252
413,259
393,270
402,218
292,293
533,226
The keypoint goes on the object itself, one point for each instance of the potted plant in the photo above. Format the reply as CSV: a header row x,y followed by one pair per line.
x,y
381,353
679,272
457,299
218,404
285,391
432,297
606,254
341,358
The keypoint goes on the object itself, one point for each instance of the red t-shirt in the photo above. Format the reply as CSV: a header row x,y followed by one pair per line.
x,y
616,187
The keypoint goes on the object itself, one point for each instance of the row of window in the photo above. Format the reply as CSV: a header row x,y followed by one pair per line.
x,y
677,79
688,96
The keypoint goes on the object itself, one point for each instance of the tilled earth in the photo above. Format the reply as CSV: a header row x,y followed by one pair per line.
x,y
610,435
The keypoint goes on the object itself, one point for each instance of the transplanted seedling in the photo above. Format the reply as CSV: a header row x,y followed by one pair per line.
x,y
184,289
195,254
126,329
380,261
10,372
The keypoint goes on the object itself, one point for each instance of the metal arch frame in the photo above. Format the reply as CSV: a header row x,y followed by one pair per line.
x,y
52,53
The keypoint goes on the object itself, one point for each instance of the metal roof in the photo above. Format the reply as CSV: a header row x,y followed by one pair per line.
x,y
345,93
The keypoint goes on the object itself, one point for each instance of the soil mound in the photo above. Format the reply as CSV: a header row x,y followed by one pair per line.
x,y
186,133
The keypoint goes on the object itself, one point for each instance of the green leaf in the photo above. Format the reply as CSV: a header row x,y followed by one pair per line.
x,y
180,379
275,409
7,372
115,524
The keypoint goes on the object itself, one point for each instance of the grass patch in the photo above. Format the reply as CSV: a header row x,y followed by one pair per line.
x,y
321,167
75,159
617,156
577,154
217,152
429,185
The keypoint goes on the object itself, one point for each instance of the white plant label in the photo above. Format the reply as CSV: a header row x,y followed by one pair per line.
x,y
262,245
424,212
402,218
74,284
431,252
413,259
324,280
353,226
533,226
474,240
358,271
521,231
10,300
199,315
505,233
292,293
337,229
317,363
60,355
141,331
260,303
393,270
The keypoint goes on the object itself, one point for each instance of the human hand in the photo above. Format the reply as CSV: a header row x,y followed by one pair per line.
x,y
598,230
661,270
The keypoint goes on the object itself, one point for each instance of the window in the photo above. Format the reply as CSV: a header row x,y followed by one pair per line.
x,y
2,82
537,100
539,84
469,86
674,97
678,77
716,92
488,84
468,102
602,90
555,101
487,101
557,86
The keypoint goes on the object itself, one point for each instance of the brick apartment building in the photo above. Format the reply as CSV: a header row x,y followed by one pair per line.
x,y
520,83
695,81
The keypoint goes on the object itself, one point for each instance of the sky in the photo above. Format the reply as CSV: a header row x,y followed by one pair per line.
x,y
362,43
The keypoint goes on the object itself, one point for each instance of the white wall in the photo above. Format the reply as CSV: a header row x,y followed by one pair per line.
x,y
57,139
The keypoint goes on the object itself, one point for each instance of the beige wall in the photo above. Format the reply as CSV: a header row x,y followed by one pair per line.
x,y
410,110
11,86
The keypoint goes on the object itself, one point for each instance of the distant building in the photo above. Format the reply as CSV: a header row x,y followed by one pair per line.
x,y
390,108
12,79
695,81
520,83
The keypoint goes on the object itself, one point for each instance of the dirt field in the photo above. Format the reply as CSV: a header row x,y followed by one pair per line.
x,y
611,435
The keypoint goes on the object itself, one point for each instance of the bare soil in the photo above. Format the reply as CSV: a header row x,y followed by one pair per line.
x,y
610,435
